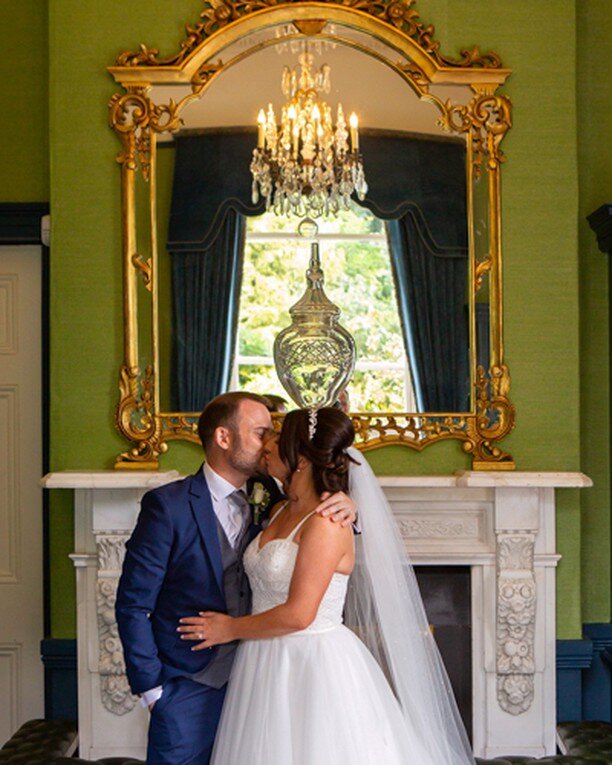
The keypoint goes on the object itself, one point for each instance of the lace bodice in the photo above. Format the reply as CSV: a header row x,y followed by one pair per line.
x,y
270,570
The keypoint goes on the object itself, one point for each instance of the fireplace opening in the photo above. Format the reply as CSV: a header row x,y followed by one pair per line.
x,y
447,597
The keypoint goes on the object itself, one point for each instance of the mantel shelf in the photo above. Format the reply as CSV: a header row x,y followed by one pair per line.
x,y
142,479
108,479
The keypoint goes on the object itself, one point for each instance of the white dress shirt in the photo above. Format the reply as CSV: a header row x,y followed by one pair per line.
x,y
227,509
225,505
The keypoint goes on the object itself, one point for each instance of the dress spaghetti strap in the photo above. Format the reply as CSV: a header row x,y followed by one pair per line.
x,y
278,512
291,536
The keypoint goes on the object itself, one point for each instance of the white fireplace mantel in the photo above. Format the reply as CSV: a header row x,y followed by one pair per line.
x,y
501,524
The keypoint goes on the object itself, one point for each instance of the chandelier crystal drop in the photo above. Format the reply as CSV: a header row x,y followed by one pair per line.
x,y
305,166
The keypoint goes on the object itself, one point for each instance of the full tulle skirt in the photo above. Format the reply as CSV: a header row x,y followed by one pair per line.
x,y
312,699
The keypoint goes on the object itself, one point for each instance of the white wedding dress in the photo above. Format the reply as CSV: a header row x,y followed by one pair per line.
x,y
314,697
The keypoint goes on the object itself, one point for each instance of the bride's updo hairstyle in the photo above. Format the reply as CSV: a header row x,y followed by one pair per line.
x,y
325,448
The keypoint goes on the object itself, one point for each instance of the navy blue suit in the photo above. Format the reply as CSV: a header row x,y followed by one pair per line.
x,y
173,568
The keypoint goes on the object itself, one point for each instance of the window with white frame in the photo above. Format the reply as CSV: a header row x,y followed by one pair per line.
x,y
358,278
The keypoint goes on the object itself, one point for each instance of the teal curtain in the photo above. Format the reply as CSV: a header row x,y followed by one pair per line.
x,y
205,300
430,285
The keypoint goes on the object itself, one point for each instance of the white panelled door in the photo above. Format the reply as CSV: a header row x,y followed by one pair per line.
x,y
21,537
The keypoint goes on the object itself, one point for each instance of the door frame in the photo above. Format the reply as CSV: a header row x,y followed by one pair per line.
x,y
21,224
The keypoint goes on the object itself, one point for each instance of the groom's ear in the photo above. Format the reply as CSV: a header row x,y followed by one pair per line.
x,y
222,437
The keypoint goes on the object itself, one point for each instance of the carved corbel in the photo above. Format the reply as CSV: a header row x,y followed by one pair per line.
x,y
114,688
515,623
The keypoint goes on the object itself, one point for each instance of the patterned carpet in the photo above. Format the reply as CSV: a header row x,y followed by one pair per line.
x,y
51,742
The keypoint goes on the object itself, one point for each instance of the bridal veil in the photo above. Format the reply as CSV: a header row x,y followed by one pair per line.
x,y
385,609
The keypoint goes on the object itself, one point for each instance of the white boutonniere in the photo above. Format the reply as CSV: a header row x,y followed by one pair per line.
x,y
259,500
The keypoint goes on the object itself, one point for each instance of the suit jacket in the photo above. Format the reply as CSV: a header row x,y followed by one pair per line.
x,y
172,568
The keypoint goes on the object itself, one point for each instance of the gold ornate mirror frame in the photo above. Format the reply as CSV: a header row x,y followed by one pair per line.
x,y
483,122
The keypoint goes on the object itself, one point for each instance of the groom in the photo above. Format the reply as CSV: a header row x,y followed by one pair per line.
x,y
185,556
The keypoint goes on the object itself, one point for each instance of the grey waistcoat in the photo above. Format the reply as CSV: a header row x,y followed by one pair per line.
x,y
238,601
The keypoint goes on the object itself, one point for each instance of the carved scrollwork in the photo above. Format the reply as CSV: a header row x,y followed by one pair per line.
x,y
133,116
487,118
494,419
516,603
401,14
165,117
111,552
421,528
482,267
472,57
494,115
142,144
411,430
136,419
416,76
144,267
182,426
205,74
130,110
114,688
129,117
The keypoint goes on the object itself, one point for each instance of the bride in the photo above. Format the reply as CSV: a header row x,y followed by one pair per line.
x,y
304,689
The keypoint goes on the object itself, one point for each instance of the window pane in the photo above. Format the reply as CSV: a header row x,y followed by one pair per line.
x,y
357,278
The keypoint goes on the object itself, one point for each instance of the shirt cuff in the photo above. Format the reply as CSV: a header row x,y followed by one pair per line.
x,y
148,697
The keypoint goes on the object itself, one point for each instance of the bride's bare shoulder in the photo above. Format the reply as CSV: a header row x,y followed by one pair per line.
x,y
324,528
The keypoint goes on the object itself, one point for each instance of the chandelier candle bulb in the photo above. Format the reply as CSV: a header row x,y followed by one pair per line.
x,y
354,123
305,166
296,140
261,129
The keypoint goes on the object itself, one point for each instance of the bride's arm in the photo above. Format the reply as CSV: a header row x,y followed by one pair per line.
x,y
323,546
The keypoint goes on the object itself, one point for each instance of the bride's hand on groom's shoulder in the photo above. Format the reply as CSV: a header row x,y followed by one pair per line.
x,y
339,507
209,628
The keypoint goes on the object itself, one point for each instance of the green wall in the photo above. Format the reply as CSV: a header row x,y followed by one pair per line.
x,y
540,239
24,151
594,75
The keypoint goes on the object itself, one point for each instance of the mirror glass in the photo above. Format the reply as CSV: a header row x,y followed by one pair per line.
x,y
356,268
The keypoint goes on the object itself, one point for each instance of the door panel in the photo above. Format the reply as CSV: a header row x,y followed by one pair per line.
x,y
21,539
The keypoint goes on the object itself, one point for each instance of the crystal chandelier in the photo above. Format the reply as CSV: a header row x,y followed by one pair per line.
x,y
305,166
315,356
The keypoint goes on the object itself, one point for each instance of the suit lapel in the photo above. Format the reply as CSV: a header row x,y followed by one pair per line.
x,y
204,516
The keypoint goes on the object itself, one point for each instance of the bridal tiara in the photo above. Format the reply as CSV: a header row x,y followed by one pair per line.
x,y
312,423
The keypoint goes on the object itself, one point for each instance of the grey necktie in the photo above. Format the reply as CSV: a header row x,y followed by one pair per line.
x,y
239,515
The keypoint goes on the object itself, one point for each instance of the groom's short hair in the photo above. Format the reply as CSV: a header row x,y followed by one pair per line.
x,y
221,411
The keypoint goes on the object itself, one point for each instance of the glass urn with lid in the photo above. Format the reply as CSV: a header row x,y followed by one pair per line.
x,y
315,355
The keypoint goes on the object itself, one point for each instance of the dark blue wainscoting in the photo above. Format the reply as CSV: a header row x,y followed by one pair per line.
x,y
59,660
597,680
573,658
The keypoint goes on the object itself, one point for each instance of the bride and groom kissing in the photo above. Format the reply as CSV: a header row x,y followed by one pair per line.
x,y
233,634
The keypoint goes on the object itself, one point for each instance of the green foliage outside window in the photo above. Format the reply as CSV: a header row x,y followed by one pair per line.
x,y
357,278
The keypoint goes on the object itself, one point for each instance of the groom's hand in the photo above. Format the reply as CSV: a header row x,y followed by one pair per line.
x,y
209,627
339,507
